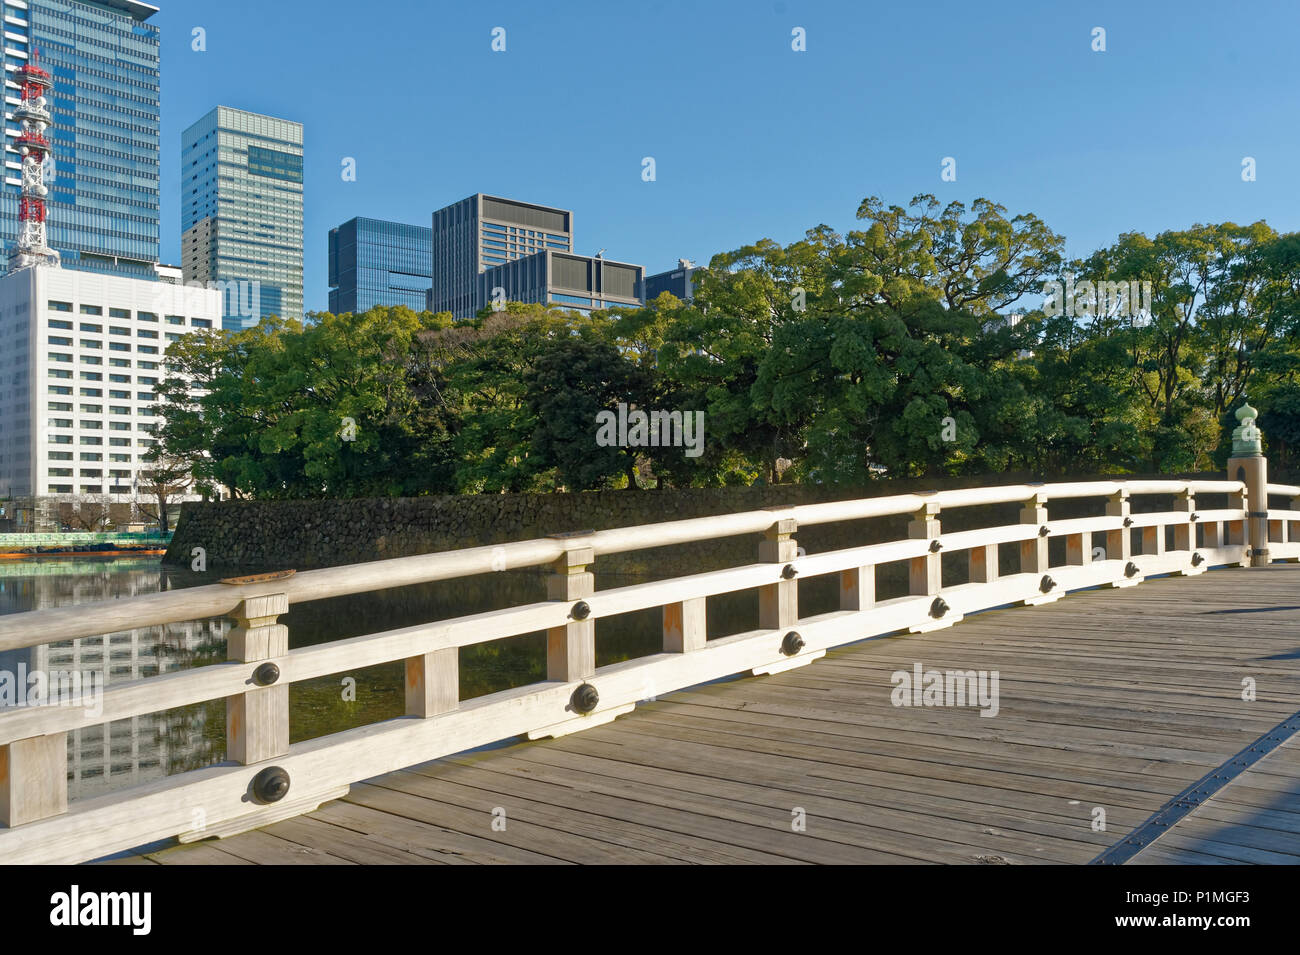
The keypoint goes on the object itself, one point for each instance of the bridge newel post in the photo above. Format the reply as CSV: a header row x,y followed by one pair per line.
x,y
778,604
1033,552
257,720
1249,466
33,779
925,573
571,648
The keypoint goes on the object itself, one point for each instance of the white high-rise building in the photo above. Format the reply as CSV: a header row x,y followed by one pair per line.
x,y
80,356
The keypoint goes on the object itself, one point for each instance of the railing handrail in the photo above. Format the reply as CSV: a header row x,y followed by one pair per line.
x,y
37,627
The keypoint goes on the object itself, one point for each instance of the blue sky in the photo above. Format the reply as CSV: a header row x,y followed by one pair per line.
x,y
750,138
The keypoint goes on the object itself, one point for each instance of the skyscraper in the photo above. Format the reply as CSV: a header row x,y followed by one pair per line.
x,y
480,232
375,262
488,251
103,177
241,213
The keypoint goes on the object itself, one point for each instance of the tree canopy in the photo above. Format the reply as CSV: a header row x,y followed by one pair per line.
x,y
923,342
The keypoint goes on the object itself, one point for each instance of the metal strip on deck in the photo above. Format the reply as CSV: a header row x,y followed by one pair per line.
x,y
1190,799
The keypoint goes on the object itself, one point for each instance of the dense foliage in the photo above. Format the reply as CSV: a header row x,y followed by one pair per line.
x,y
919,343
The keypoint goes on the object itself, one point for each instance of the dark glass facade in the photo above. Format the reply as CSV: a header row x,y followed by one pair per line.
x,y
376,262
103,56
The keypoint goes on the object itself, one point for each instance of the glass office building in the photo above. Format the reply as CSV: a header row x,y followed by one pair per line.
x,y
481,232
241,213
375,262
103,56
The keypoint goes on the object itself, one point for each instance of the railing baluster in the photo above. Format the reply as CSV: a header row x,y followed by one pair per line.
x,y
33,779
571,649
684,626
983,562
858,588
433,682
257,720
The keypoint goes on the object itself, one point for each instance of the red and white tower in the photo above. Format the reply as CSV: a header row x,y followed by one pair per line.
x,y
33,116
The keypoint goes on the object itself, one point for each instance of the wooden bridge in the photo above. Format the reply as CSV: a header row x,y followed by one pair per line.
x,y
1041,730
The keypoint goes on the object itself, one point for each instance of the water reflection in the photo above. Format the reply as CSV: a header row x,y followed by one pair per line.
x,y
132,751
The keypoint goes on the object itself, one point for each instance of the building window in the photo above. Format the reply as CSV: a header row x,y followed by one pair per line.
x,y
119,313
92,310
60,306
91,327
147,316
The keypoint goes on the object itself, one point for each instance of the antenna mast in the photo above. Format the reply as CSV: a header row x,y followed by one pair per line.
x,y
34,117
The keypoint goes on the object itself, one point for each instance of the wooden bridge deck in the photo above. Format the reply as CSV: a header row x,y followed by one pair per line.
x,y
1117,699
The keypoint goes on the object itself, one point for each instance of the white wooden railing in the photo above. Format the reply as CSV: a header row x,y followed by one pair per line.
x,y
265,778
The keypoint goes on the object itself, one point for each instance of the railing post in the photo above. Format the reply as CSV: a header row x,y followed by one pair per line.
x,y
925,573
1119,542
778,604
1033,552
1291,529
1249,466
33,779
685,626
1185,534
571,648
257,720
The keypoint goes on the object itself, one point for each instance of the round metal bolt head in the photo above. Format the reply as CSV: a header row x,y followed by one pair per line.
x,y
788,572
585,698
270,785
791,644
1130,569
266,674
1046,584
935,547
938,607
581,610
